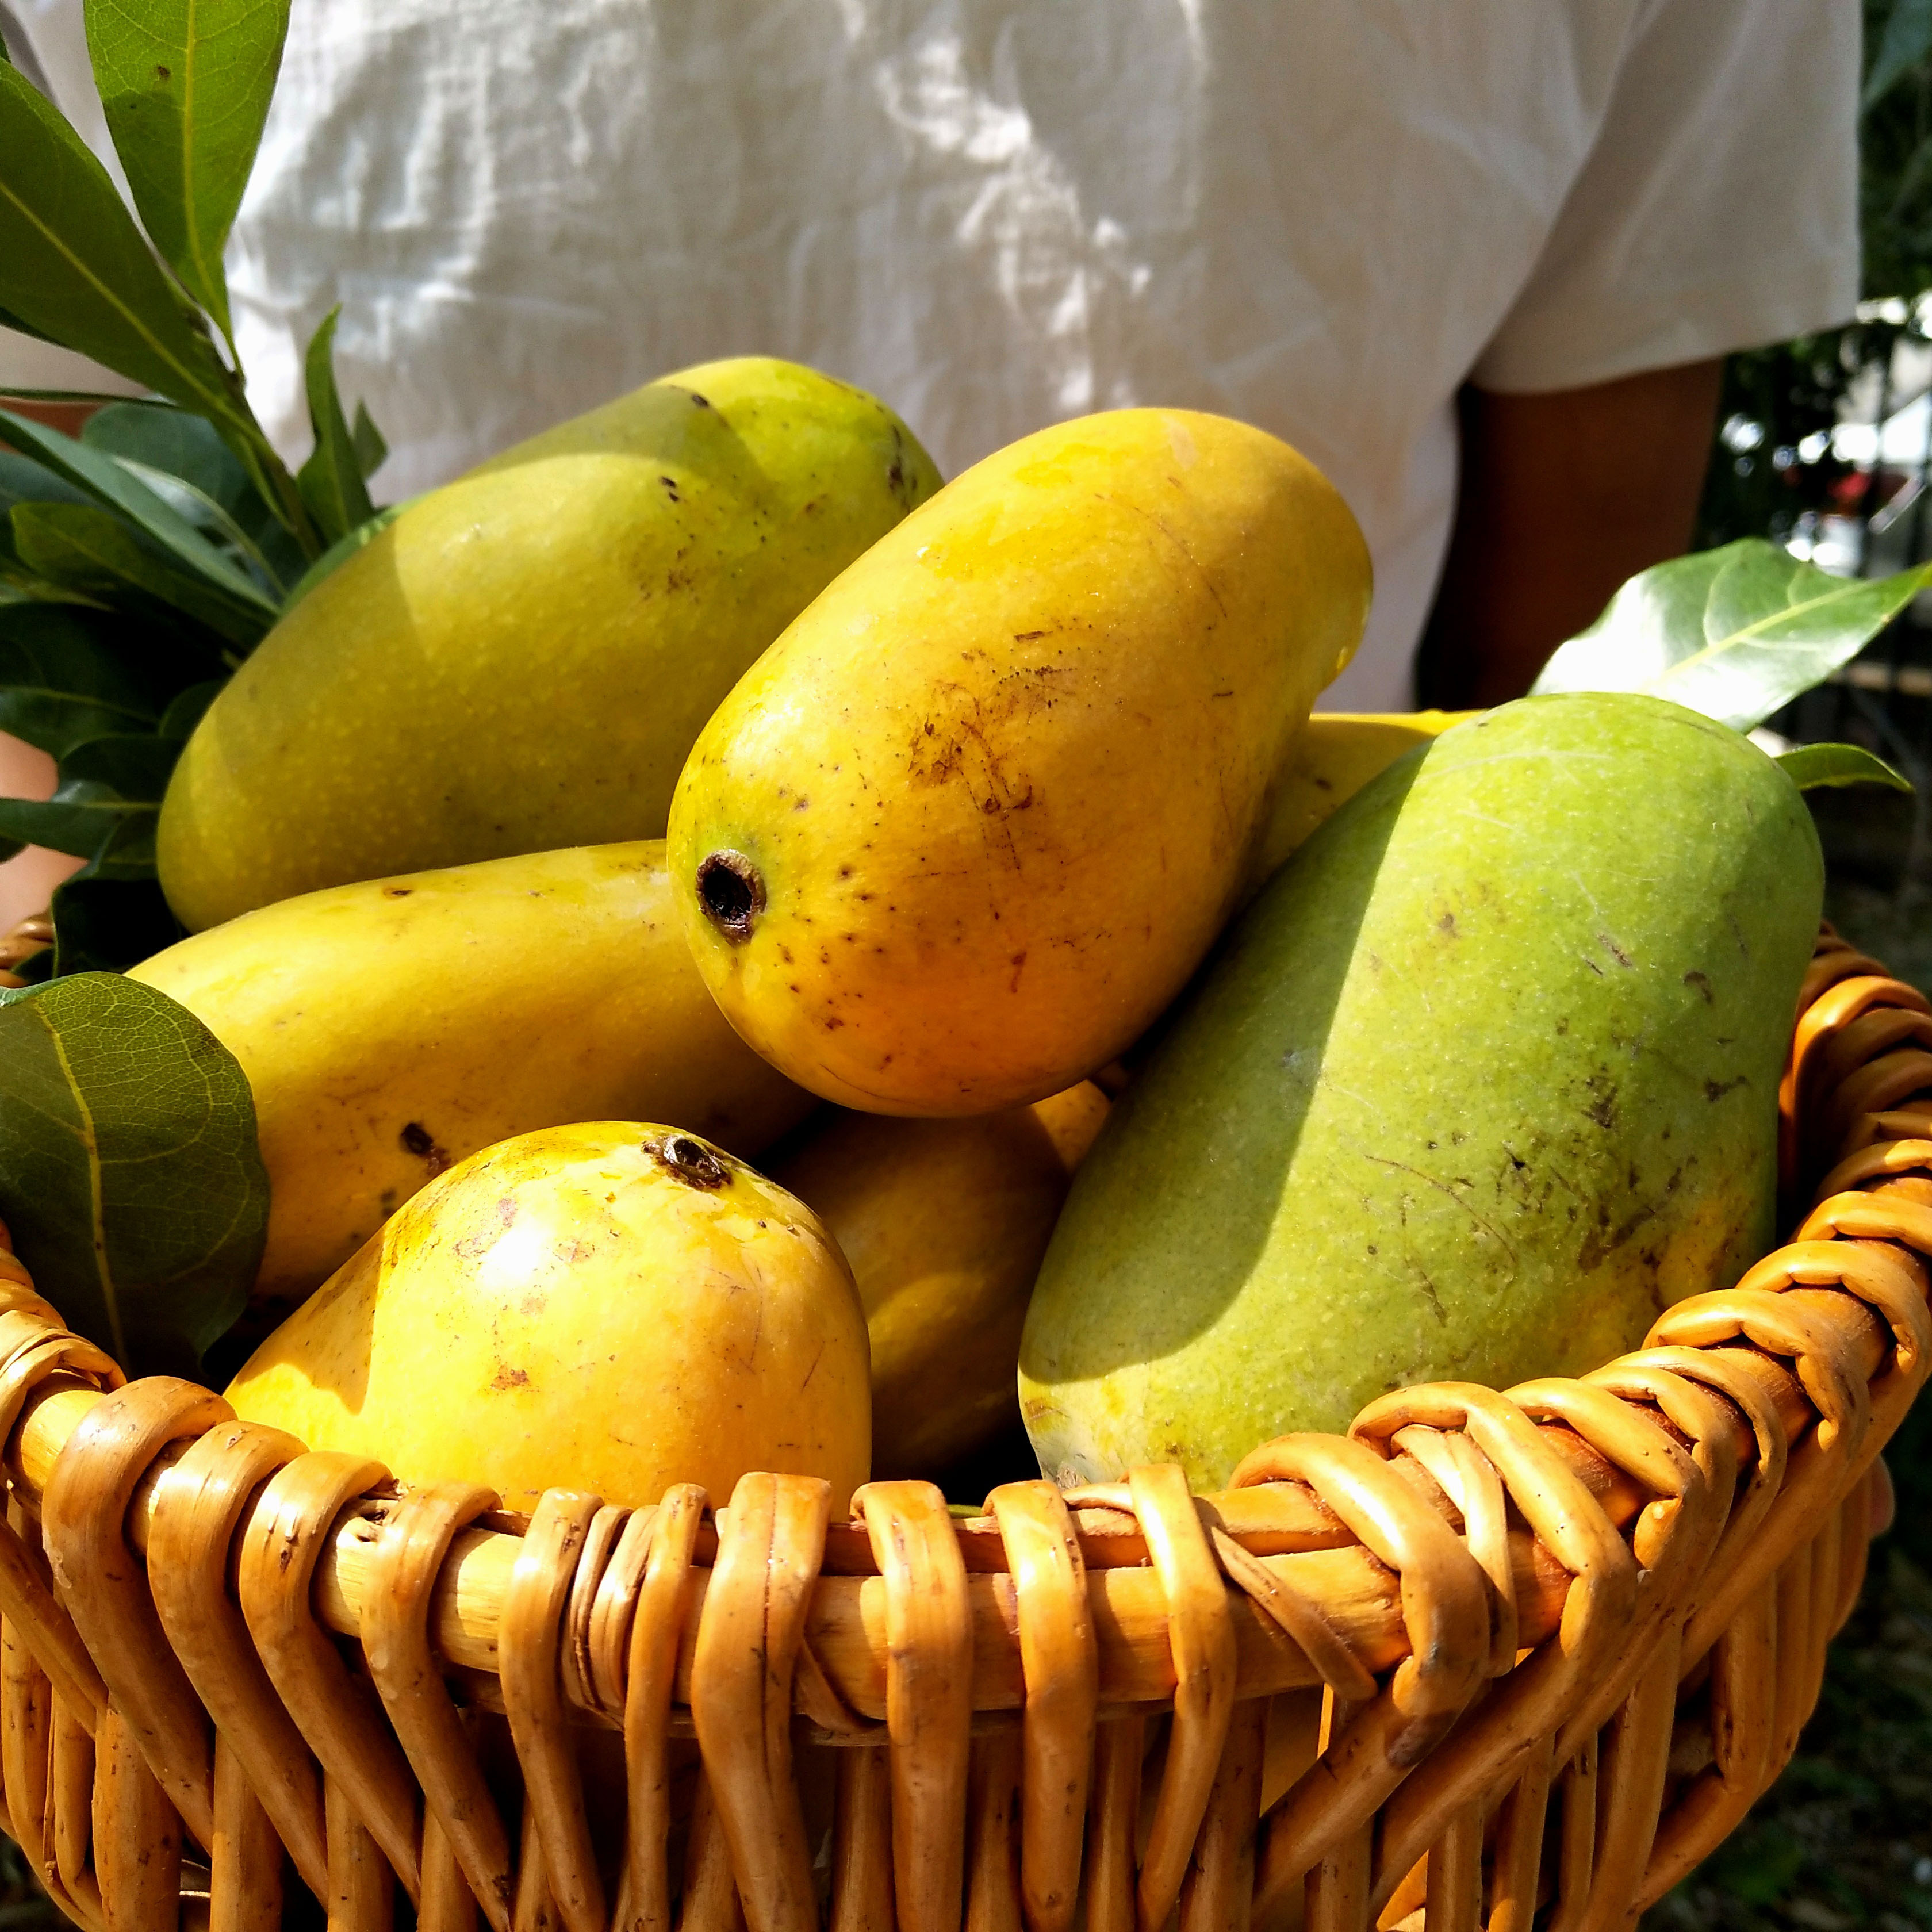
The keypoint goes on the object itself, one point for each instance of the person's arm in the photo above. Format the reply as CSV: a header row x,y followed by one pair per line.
x,y
26,882
1563,495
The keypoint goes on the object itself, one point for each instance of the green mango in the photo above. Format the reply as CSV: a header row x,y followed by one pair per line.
x,y
521,661
1486,1077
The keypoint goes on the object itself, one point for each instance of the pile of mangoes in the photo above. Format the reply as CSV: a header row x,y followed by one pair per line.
x,y
702,783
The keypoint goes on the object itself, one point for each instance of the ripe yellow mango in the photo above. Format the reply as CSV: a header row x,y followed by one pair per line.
x,y
944,1223
521,660
390,1028
970,823
614,1306
1326,765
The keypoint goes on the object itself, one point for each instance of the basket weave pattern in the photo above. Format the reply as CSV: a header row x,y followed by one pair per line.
x,y
1492,1657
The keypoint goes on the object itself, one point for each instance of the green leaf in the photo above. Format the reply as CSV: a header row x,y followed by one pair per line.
x,y
106,925
212,520
61,685
330,481
1734,633
1812,766
9,320
130,773
112,484
136,764
185,85
24,481
177,441
1908,40
84,549
159,405
80,820
18,584
130,1174
340,551
371,451
185,712
75,268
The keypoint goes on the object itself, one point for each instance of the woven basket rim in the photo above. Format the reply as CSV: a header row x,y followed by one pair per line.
x,y
1472,1583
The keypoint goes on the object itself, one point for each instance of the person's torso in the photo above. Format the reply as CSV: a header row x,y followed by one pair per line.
x,y
992,214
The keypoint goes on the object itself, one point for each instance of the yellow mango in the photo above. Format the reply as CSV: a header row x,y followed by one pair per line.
x,y
944,1223
969,825
614,1306
521,660
390,1028
1326,765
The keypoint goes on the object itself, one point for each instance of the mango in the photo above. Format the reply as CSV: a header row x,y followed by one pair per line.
x,y
1326,766
389,1029
971,822
615,1305
943,1222
522,659
1485,1079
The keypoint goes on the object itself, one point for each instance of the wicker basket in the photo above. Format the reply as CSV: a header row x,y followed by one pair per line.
x,y
1490,1657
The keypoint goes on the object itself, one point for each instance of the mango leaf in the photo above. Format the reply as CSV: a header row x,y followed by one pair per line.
x,y
75,268
1735,633
9,320
127,855
178,441
18,584
208,517
371,451
1811,767
106,925
184,711
112,484
106,397
341,551
137,764
105,807
130,1174
83,549
24,481
81,819
330,481
185,86
60,683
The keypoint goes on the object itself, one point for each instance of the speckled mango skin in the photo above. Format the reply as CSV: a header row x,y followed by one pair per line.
x,y
1485,1079
388,1029
1000,782
521,661
944,1223
567,1306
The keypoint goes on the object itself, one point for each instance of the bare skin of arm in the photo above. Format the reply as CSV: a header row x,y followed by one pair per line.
x,y
1563,495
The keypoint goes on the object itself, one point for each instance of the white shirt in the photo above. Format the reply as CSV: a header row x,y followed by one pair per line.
x,y
1321,216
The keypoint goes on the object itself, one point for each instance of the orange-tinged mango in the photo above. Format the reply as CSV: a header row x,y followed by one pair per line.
x,y
616,1306
968,826
943,1222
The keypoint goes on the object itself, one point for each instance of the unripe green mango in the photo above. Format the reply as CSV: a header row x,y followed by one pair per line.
x,y
521,660
1486,1078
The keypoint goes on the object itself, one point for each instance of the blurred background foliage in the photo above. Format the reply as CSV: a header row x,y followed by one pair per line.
x,y
1774,461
